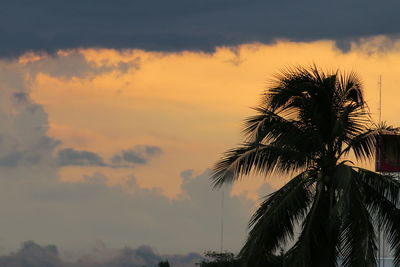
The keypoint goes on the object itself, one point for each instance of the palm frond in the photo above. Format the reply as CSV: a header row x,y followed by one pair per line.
x,y
272,224
357,233
385,185
385,211
317,243
349,88
262,159
269,127
350,122
364,144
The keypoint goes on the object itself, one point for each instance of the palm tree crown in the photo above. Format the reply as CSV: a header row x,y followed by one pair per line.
x,y
306,125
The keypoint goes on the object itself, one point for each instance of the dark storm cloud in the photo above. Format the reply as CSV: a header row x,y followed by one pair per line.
x,y
175,25
72,157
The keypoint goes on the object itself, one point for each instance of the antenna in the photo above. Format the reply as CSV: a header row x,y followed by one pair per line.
x,y
380,99
222,220
380,240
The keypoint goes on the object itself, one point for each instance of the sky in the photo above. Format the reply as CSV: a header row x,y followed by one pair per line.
x,y
112,114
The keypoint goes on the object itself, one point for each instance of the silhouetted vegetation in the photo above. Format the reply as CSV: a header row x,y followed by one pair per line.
x,y
227,259
307,124
163,264
215,259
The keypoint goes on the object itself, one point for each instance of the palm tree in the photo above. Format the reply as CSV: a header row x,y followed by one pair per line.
x,y
308,122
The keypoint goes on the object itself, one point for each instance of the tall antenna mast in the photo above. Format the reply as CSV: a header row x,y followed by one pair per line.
x,y
380,98
222,220
381,257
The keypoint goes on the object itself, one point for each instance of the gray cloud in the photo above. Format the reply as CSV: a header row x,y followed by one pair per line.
x,y
140,154
21,97
177,25
150,150
32,254
128,156
72,157
264,190
36,206
72,215
11,160
74,64
24,124
32,155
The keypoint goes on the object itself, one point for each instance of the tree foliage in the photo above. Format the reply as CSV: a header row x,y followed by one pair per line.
x,y
307,125
223,259
163,264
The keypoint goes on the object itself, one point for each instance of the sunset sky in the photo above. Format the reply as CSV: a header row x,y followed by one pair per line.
x,y
113,112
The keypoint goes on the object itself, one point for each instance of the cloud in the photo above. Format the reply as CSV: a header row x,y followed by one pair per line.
x,y
130,156
138,155
150,150
73,64
264,190
34,255
23,132
21,97
36,206
72,157
23,136
32,155
72,215
11,160
177,25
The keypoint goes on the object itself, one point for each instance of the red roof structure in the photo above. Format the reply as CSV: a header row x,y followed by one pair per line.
x,y
387,158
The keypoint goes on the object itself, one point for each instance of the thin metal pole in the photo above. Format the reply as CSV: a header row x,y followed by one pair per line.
x,y
379,242
379,163
380,98
222,220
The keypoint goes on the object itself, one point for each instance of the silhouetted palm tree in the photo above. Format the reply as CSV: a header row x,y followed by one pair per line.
x,y
307,124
